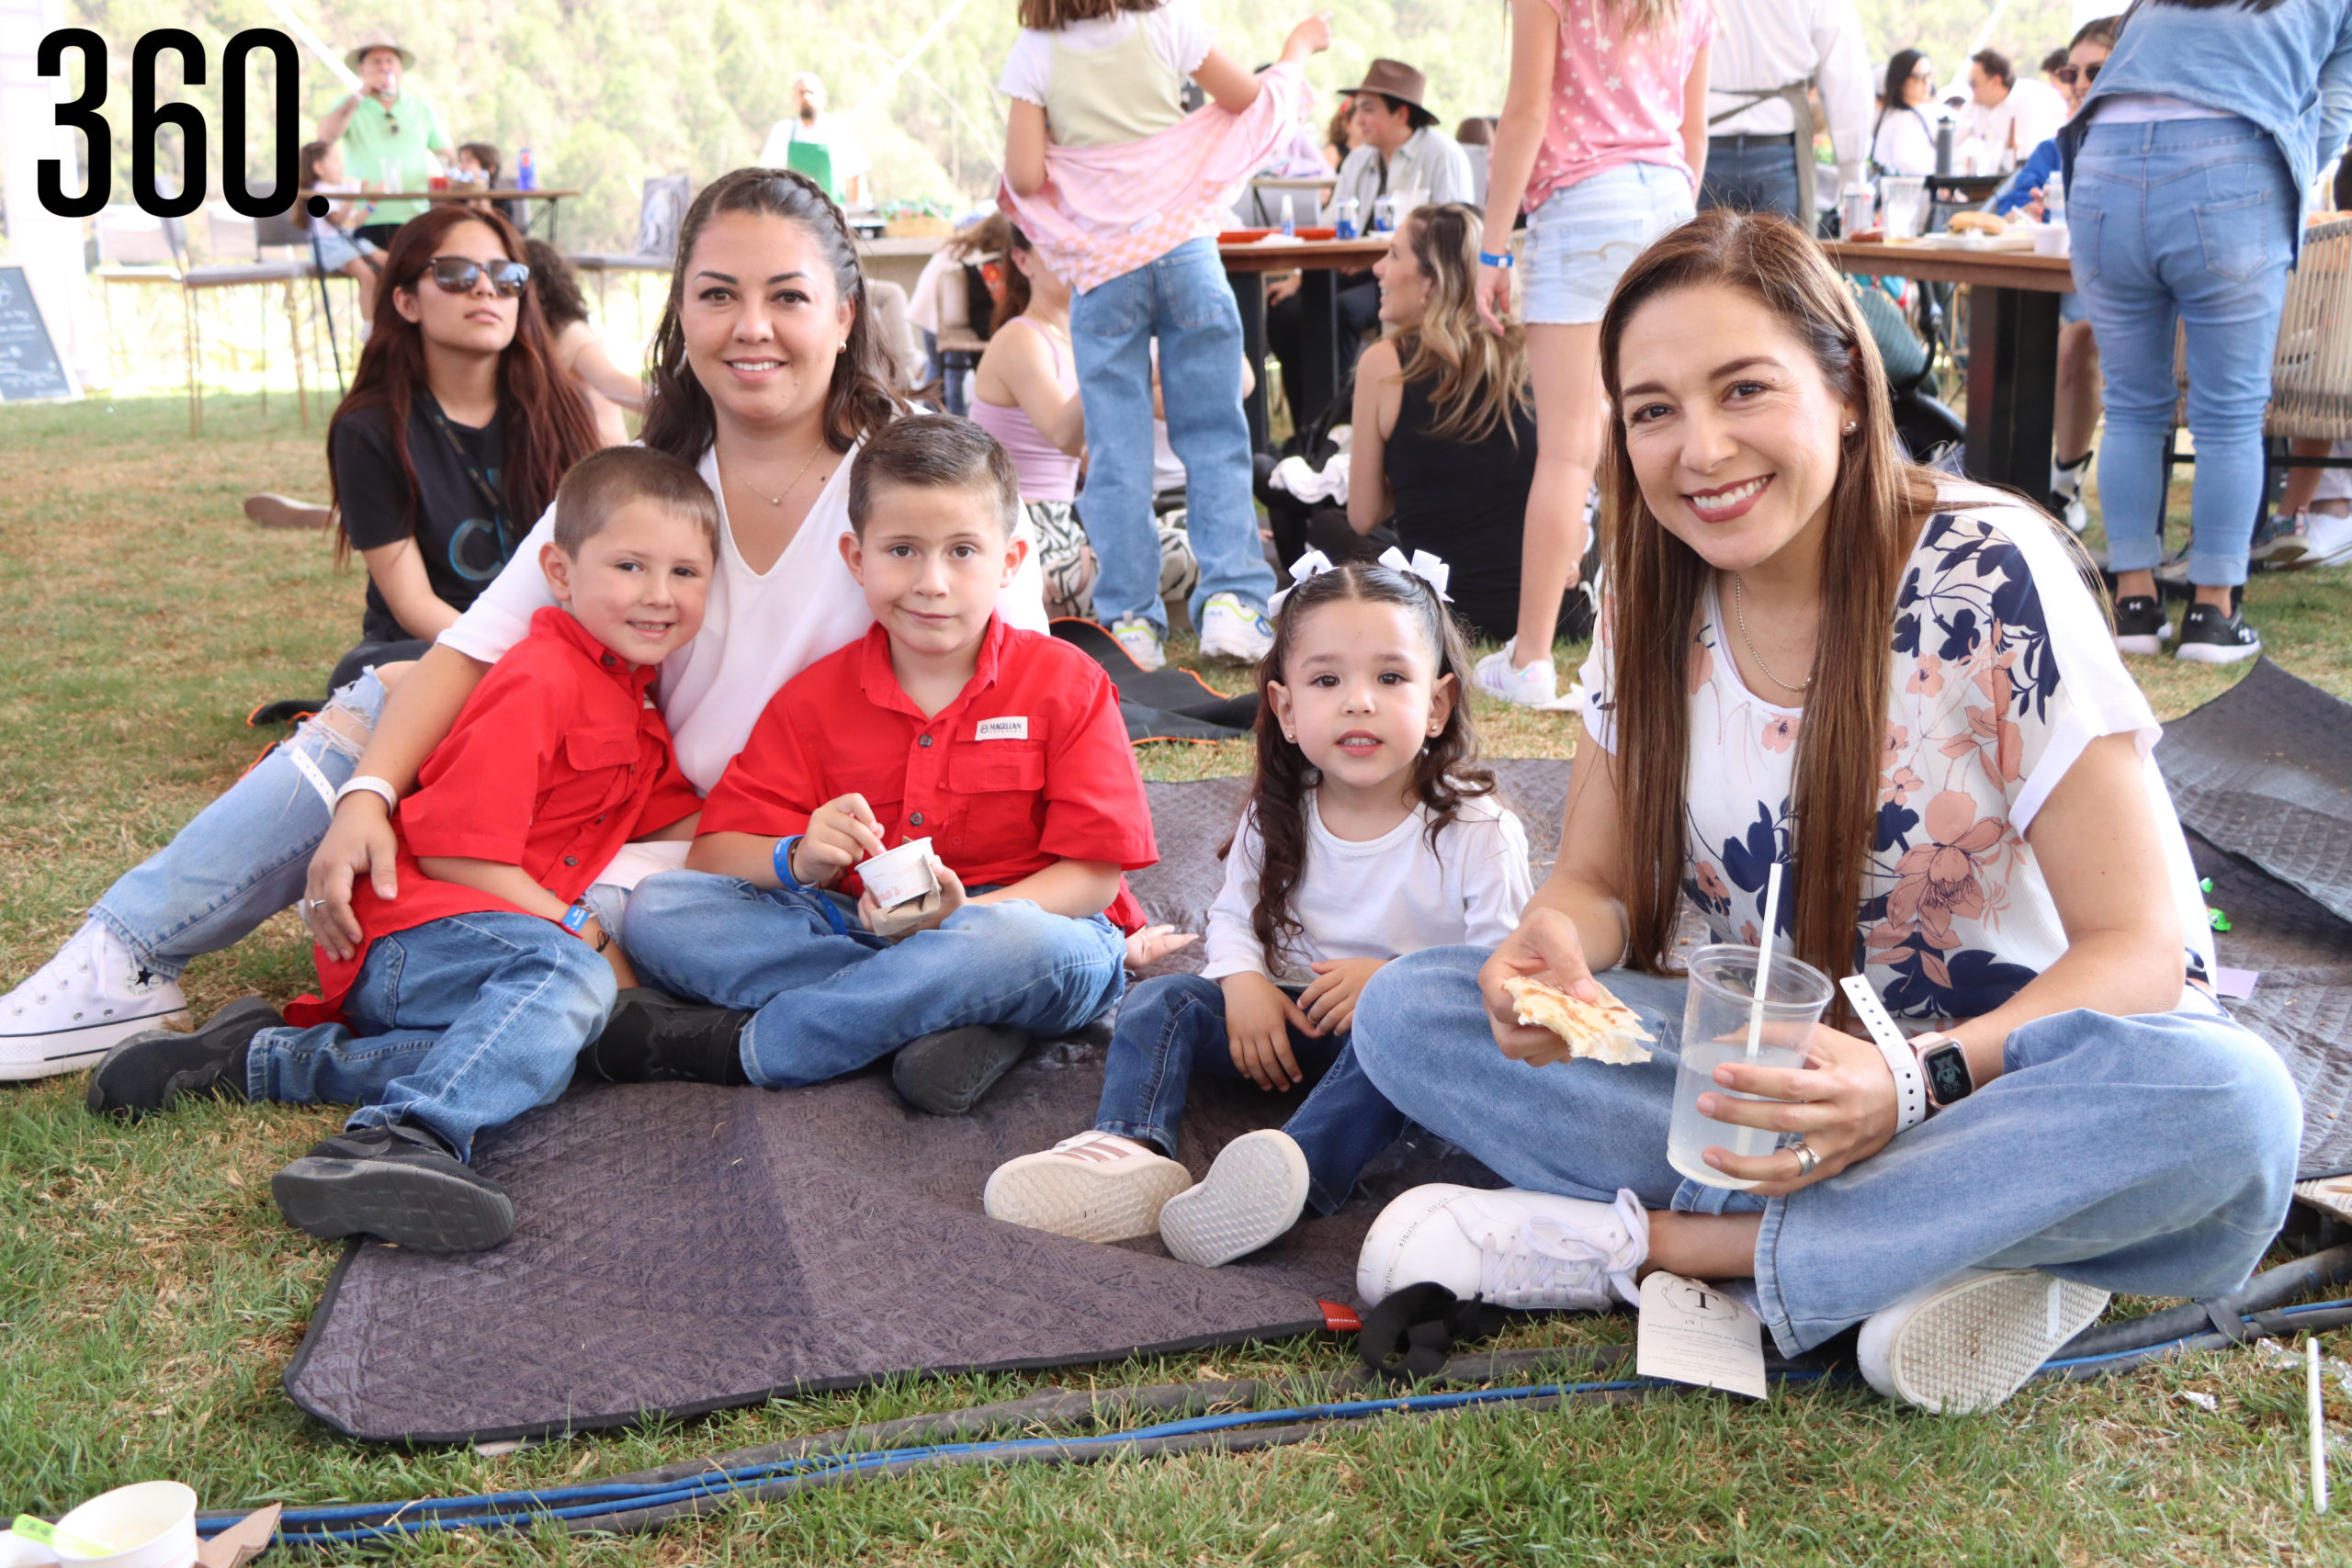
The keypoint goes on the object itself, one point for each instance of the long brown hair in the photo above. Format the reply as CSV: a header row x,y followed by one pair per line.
x,y
1657,586
678,416
544,425
1481,374
1047,15
555,284
1446,774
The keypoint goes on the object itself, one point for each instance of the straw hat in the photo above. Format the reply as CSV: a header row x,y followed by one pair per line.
x,y
1395,79
379,37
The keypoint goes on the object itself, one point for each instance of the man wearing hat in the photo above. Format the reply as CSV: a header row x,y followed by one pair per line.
x,y
1398,149
391,136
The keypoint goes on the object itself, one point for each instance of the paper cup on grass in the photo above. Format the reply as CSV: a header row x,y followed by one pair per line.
x,y
897,875
150,1525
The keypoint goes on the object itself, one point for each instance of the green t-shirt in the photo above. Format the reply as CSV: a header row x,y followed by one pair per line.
x,y
392,148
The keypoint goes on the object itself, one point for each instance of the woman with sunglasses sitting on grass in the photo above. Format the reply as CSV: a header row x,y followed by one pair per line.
x,y
458,426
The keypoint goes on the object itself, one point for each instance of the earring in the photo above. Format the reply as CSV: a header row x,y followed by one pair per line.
x,y
844,349
1852,425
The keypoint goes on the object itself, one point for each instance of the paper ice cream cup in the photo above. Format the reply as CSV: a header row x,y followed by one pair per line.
x,y
895,877
149,1524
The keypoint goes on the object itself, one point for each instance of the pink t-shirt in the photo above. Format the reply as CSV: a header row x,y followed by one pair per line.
x,y
1616,100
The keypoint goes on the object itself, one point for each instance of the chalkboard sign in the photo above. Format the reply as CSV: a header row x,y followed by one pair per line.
x,y
29,368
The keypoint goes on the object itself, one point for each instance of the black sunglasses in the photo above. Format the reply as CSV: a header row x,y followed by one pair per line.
x,y
457,275
2068,73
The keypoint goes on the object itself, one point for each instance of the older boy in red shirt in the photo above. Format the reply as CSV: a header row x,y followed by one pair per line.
x,y
471,992
1004,748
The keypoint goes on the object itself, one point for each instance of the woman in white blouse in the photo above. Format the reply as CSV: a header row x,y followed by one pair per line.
x,y
1903,141
767,374
1902,690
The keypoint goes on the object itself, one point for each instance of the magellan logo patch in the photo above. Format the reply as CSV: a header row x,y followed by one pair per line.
x,y
1003,729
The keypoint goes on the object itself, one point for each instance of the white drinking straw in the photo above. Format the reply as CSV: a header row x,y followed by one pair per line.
x,y
2318,1431
1764,960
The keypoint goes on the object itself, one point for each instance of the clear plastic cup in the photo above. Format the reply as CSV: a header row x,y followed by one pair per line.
x,y
1714,1031
1903,207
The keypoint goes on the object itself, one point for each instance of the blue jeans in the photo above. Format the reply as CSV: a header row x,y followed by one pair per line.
x,y
458,1024
1184,301
2150,1155
244,857
1174,1026
2189,220
824,1003
1754,174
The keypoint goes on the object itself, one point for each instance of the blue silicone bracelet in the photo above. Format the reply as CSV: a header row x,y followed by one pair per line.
x,y
784,861
1487,258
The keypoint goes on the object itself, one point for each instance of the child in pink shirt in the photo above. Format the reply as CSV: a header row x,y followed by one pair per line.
x,y
1602,141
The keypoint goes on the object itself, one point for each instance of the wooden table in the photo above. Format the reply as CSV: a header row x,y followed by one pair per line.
x,y
1319,263
475,192
2012,348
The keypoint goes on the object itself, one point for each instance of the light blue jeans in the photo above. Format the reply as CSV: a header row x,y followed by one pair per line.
x,y
2150,1155
245,856
1182,299
458,1024
2189,220
825,1002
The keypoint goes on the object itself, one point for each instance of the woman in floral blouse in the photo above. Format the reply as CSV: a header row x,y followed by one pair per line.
x,y
1901,689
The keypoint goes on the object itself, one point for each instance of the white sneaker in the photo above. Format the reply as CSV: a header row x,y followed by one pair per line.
x,y
1230,630
80,1005
1969,1342
1514,1248
1095,1187
1253,1194
2328,539
1141,639
1535,686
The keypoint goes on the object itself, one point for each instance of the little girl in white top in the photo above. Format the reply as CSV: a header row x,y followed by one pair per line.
x,y
1369,833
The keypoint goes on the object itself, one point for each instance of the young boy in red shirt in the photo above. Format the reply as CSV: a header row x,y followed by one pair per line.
x,y
473,989
1004,748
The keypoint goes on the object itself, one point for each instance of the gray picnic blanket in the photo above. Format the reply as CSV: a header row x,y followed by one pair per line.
x,y
682,1249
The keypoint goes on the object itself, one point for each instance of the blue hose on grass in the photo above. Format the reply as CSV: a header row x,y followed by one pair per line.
x,y
357,1523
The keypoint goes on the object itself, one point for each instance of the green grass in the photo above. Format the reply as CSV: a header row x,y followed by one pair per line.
x,y
150,1298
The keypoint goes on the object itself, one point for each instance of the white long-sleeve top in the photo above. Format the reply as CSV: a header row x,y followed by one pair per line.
x,y
1378,898
1763,45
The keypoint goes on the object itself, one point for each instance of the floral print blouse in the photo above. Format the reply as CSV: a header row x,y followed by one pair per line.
x,y
2004,671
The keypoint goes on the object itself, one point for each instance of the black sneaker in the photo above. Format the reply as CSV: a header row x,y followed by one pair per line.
x,y
2209,635
2140,625
653,1037
397,1182
946,1071
149,1071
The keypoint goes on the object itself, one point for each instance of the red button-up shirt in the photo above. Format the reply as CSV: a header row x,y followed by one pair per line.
x,y
557,759
1030,763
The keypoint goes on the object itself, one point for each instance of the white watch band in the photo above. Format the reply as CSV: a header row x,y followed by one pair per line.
x,y
369,784
1910,1083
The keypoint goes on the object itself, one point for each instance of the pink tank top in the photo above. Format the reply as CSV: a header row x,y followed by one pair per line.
x,y
1047,473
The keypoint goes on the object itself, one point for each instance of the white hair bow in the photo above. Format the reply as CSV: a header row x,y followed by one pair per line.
x,y
1430,568
1313,563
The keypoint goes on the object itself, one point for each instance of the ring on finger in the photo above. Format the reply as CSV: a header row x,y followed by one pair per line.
x,y
1808,1158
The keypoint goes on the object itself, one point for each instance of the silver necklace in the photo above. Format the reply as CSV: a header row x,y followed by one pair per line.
x,y
1739,613
778,500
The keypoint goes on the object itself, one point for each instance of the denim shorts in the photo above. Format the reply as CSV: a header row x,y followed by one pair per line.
x,y
337,252
1582,239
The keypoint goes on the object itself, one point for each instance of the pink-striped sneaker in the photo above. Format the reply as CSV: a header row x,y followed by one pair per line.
x,y
1095,1187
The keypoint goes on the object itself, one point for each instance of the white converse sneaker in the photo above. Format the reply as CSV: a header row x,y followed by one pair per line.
x,y
1535,686
1513,1248
80,1005
1969,1342
1095,1187
1141,639
1253,1194
1230,630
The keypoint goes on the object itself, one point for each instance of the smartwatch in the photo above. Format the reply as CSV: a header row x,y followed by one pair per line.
x,y
1944,1064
